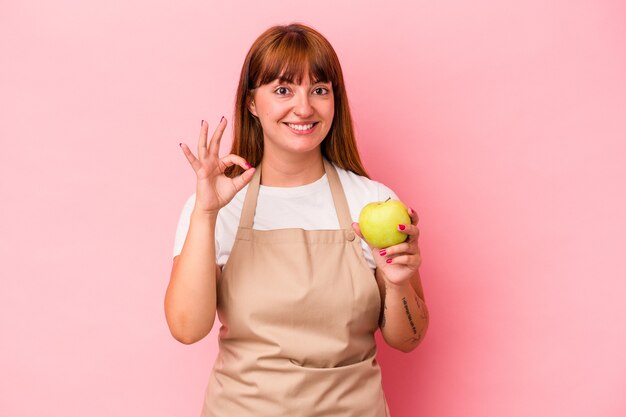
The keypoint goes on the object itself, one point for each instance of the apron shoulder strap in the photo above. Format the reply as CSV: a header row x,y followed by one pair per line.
x,y
249,203
339,196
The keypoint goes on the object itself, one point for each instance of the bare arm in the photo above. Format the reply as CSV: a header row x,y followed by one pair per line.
x,y
190,299
405,317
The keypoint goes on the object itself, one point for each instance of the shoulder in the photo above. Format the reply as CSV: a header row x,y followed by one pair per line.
x,y
360,191
184,219
362,188
190,202
185,213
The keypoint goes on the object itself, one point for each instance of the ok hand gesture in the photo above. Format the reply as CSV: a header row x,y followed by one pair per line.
x,y
214,189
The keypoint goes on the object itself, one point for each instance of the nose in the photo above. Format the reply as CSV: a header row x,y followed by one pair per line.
x,y
302,107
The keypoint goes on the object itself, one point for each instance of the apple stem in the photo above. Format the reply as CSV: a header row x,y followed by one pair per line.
x,y
389,198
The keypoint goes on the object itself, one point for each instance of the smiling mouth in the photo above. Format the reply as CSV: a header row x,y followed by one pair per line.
x,y
302,127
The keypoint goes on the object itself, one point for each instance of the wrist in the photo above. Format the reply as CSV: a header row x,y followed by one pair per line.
x,y
202,215
400,287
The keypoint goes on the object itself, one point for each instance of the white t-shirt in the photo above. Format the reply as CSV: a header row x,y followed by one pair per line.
x,y
308,207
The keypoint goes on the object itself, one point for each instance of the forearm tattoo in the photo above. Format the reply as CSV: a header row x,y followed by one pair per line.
x,y
408,313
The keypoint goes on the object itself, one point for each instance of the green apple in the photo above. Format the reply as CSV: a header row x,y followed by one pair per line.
x,y
379,222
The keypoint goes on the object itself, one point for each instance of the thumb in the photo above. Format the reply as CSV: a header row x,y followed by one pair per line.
x,y
242,180
357,230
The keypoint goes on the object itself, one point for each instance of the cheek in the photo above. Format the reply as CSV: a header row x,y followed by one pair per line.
x,y
331,108
265,113
330,113
274,112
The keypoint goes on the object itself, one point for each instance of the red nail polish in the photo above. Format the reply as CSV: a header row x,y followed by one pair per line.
x,y
248,165
221,119
401,227
389,260
180,144
382,252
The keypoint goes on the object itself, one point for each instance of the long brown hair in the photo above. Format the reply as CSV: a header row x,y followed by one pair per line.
x,y
285,52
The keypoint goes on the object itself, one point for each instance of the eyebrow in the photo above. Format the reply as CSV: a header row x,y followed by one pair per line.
x,y
286,81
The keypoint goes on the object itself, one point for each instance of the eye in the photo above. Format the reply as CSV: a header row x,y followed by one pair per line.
x,y
281,91
320,91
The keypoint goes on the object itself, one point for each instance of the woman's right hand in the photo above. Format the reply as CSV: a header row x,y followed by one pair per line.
x,y
214,189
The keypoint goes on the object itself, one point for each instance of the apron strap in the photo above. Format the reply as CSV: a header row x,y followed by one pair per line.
x,y
249,203
339,198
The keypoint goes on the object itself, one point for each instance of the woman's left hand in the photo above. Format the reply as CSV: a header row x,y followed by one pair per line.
x,y
398,262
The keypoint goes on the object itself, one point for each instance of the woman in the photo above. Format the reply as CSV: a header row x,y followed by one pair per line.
x,y
269,243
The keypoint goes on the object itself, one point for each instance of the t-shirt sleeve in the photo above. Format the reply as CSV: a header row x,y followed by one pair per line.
x,y
183,225
385,193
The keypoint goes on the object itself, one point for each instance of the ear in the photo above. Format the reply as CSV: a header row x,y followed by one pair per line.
x,y
252,108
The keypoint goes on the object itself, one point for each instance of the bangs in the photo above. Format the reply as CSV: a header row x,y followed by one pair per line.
x,y
289,57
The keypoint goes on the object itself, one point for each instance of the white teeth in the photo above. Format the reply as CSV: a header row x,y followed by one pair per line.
x,y
300,127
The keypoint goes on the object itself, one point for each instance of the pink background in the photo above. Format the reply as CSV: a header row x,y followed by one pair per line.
x,y
503,123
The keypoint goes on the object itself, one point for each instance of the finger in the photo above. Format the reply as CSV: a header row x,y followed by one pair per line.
x,y
195,164
357,230
409,229
398,249
242,180
413,215
233,159
204,128
214,146
410,260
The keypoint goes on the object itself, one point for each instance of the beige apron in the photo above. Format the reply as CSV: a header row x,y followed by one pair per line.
x,y
298,309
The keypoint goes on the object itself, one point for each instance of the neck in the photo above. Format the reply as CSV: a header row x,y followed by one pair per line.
x,y
293,171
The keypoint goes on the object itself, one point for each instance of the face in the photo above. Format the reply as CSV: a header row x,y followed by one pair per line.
x,y
295,117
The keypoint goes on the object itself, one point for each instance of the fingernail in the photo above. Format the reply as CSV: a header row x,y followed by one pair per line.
x,y
180,144
411,211
401,227
221,119
382,252
389,260
201,122
248,166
